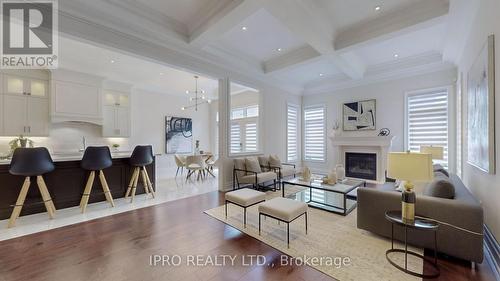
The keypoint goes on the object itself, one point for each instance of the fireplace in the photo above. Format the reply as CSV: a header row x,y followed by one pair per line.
x,y
361,165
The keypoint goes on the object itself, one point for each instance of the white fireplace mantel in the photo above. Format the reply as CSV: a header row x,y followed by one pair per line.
x,y
371,144
385,141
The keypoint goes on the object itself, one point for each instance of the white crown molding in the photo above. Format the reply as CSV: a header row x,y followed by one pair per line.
x,y
295,57
413,66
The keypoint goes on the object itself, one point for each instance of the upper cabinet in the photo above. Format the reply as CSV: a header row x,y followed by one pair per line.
x,y
24,104
116,114
76,97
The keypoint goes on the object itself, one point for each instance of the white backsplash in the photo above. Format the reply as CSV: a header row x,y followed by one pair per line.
x,y
67,137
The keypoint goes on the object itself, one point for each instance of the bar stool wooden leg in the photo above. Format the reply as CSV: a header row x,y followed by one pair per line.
x,y
132,179
134,186
47,201
149,183
105,188
86,192
19,203
144,181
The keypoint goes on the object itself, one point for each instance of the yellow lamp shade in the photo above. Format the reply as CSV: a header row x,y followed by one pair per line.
x,y
410,166
437,152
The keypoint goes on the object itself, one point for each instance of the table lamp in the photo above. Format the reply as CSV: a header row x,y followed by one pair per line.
x,y
437,152
409,167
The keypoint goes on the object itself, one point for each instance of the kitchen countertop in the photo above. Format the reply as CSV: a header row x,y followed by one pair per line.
x,y
75,156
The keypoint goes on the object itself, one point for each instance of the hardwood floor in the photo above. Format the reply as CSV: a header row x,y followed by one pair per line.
x,y
119,247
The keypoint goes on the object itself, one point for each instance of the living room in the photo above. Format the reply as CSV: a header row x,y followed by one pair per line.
x,y
250,140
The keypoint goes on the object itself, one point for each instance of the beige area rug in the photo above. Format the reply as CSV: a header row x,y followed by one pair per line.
x,y
330,235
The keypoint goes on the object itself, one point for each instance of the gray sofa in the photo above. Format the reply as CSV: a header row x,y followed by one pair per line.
x,y
463,211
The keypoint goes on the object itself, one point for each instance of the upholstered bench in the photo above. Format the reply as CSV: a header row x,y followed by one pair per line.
x,y
244,198
285,210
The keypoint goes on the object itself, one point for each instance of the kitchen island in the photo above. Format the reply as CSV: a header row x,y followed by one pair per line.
x,y
67,182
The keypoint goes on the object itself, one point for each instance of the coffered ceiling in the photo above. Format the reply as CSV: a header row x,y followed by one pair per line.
x,y
296,45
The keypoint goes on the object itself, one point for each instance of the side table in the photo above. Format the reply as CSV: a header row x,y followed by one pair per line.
x,y
420,224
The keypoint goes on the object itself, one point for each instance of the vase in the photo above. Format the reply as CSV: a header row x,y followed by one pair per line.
x,y
306,174
23,142
340,171
332,177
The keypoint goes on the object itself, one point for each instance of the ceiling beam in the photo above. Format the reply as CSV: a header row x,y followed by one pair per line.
x,y
223,21
309,22
395,23
294,57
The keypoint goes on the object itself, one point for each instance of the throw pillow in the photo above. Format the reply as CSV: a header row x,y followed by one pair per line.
x,y
441,187
252,164
264,162
274,161
439,168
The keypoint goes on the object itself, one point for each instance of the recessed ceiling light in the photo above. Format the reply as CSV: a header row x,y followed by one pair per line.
x,y
396,56
112,61
183,108
161,73
244,28
378,8
187,91
321,74
279,49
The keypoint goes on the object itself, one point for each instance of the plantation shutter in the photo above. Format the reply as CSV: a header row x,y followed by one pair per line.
x,y
235,138
314,137
251,137
292,120
428,121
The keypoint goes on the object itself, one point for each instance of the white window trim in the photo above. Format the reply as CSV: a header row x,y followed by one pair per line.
x,y
451,121
325,110
297,135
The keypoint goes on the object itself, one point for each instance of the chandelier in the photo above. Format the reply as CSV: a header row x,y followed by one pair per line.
x,y
199,97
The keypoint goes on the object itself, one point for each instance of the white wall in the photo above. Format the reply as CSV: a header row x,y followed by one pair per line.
x,y
484,186
148,123
390,102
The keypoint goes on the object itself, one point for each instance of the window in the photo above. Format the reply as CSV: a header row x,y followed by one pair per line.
x,y
427,121
292,124
314,134
244,129
459,127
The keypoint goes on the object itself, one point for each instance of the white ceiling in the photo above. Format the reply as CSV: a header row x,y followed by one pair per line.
x,y
345,13
338,38
410,44
263,36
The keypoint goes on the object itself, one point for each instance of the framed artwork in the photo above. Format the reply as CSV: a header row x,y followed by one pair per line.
x,y
481,110
178,135
359,116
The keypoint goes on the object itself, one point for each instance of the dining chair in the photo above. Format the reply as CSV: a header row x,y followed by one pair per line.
x,y
195,163
180,161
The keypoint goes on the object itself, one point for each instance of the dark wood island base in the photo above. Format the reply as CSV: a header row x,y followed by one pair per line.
x,y
66,184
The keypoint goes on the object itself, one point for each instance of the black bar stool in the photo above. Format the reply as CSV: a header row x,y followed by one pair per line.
x,y
141,157
96,159
31,162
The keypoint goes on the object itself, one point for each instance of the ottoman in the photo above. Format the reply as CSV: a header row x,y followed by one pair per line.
x,y
285,210
244,198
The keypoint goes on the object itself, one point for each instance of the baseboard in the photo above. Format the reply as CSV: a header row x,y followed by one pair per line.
x,y
493,252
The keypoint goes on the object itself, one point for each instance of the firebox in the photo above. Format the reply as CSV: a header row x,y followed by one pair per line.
x,y
361,165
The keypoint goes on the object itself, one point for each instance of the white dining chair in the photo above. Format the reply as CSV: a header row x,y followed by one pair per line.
x,y
195,163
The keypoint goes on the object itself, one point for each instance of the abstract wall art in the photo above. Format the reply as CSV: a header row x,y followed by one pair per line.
x,y
481,110
359,116
178,135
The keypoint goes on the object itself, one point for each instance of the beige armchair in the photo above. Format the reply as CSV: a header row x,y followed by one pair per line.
x,y
283,170
247,171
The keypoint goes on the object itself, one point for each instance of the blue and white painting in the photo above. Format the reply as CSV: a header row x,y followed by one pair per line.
x,y
179,135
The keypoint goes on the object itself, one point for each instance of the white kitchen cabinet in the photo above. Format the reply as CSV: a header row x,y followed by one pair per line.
x,y
25,115
24,86
76,96
116,114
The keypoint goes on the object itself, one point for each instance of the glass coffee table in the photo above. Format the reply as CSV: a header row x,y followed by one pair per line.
x,y
336,198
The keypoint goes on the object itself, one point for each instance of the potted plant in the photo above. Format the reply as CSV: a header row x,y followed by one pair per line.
x,y
115,146
20,141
